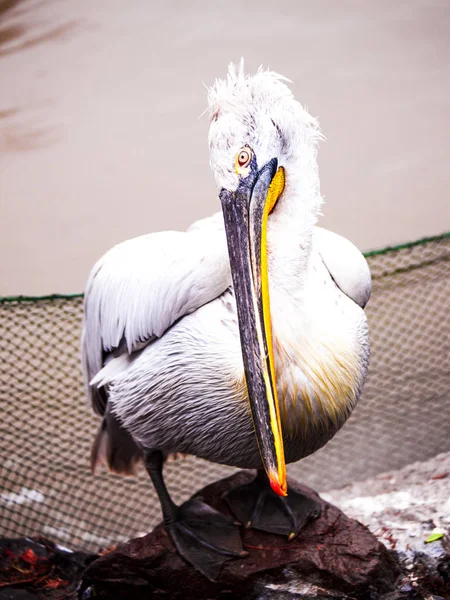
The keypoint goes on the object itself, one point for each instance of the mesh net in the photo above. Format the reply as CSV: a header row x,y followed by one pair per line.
x,y
47,428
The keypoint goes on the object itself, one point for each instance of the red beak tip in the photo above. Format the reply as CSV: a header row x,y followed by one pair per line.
x,y
277,488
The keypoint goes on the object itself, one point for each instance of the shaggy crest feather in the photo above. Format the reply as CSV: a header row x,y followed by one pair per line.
x,y
265,90
237,87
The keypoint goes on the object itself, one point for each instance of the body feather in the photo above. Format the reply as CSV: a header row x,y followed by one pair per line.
x,y
184,390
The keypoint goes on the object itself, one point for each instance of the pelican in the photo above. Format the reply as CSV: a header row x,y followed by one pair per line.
x,y
243,340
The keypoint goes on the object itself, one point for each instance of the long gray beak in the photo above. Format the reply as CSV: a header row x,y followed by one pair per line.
x,y
245,214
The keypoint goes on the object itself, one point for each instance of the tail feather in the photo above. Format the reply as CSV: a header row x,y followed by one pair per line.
x,y
114,447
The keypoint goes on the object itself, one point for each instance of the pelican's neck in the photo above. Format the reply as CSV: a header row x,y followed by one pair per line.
x,y
291,223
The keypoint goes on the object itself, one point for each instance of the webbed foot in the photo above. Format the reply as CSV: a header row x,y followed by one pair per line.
x,y
256,506
204,537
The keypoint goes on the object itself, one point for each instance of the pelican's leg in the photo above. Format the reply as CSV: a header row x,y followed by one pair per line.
x,y
256,506
204,537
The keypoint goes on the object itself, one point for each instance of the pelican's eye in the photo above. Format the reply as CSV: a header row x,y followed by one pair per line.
x,y
243,160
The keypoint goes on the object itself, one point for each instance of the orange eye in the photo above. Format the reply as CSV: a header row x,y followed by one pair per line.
x,y
243,158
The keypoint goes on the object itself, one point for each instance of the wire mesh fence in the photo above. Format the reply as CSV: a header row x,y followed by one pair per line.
x,y
47,428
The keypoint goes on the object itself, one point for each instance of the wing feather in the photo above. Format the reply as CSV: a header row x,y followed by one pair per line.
x,y
141,287
345,263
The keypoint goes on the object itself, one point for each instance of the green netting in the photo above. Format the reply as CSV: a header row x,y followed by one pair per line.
x,y
47,428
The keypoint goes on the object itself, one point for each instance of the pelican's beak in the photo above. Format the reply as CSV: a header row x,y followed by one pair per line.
x,y
246,213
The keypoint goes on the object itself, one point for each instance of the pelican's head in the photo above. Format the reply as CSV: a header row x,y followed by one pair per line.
x,y
262,149
254,119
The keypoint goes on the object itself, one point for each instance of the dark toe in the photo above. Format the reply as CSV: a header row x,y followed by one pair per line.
x,y
205,538
258,507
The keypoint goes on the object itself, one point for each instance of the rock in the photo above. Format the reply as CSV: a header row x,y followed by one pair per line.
x,y
10,593
333,557
402,509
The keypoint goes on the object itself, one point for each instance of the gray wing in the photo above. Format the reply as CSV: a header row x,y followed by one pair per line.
x,y
138,289
345,263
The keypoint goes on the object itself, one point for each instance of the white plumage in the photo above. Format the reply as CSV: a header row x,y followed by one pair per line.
x,y
170,390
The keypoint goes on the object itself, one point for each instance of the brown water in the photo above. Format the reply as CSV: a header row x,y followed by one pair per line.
x,y
100,138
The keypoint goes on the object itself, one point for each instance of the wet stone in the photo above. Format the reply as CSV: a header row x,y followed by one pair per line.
x,y
332,557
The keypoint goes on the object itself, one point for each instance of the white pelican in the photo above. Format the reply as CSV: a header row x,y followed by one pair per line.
x,y
243,340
